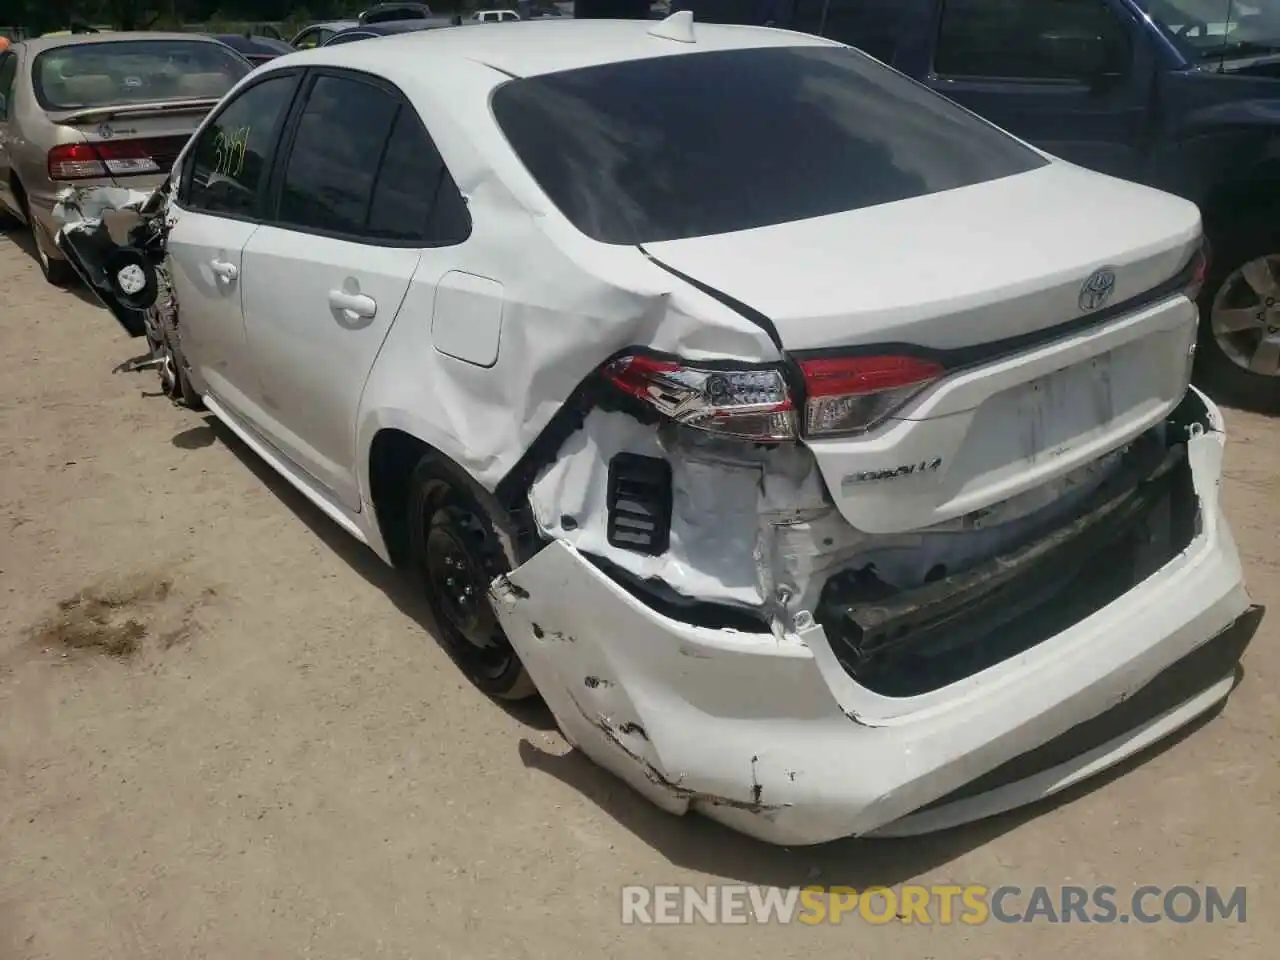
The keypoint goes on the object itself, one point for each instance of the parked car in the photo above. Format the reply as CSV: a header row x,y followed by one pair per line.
x,y
387,12
385,29
785,488
317,34
100,109
1183,95
495,16
256,49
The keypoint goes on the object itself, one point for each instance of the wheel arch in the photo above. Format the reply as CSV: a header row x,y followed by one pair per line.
x,y
1248,197
394,452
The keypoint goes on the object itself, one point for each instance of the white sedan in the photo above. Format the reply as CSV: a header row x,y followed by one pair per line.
x,y
822,455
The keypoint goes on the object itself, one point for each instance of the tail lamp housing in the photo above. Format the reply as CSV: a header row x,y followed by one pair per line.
x,y
847,396
110,158
1197,271
746,403
844,396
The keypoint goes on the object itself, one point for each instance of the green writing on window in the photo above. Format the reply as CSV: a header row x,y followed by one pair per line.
x,y
230,146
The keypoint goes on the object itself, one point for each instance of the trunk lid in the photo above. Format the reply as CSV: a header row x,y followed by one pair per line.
x,y
990,280
122,133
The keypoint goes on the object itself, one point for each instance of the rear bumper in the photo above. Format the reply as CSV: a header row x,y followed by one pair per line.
x,y
42,200
771,736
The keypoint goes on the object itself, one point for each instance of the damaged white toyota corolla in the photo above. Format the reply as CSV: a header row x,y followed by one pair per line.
x,y
822,455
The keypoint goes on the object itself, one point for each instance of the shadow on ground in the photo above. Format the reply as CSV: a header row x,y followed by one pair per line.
x,y
394,583
692,842
24,241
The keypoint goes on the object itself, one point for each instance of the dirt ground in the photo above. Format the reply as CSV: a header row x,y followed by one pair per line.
x,y
224,733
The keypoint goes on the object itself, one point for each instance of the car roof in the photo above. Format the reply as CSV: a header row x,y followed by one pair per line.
x,y
329,25
41,44
399,26
529,48
238,41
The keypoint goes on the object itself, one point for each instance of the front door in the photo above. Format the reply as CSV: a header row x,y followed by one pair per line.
x,y
1073,77
216,212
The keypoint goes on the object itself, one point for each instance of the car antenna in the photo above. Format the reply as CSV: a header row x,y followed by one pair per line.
x,y
1226,28
677,27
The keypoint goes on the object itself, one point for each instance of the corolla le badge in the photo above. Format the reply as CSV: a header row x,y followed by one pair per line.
x,y
1097,289
891,473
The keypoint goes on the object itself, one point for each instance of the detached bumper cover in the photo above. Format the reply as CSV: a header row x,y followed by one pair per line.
x,y
771,735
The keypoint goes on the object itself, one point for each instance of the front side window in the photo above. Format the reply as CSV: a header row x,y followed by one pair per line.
x,y
737,139
1028,39
311,38
121,72
230,158
328,179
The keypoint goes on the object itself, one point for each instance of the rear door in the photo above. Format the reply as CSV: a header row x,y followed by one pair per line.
x,y
353,210
218,208
1018,64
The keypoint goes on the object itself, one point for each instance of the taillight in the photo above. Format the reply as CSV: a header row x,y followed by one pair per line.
x,y
1198,271
850,395
743,403
75,161
119,158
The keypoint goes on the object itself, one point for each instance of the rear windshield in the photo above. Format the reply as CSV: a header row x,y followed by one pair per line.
x,y
134,71
706,143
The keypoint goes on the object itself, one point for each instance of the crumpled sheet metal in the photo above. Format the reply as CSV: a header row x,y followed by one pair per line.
x,y
752,527
88,205
726,500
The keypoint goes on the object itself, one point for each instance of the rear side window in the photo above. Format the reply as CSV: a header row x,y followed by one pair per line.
x,y
362,166
229,160
109,73
706,143
415,198
328,180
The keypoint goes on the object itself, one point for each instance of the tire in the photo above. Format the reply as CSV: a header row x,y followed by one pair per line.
x,y
166,345
183,393
460,539
1239,329
57,272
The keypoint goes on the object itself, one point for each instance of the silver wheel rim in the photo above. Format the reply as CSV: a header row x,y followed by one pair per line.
x,y
132,279
1245,316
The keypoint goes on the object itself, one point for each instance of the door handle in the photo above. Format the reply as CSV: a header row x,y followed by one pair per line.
x,y
356,304
222,268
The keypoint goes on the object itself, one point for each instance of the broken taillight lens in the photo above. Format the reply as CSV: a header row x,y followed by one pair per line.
x,y
117,158
743,403
850,395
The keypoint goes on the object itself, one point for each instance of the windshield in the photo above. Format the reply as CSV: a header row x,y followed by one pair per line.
x,y
1206,29
699,144
108,74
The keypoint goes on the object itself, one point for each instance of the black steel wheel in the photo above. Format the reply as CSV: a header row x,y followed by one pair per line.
x,y
460,541
160,322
